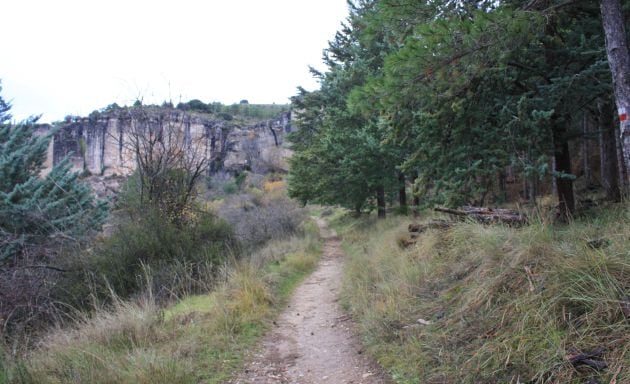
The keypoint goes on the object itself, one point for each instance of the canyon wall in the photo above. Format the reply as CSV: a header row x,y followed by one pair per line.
x,y
102,144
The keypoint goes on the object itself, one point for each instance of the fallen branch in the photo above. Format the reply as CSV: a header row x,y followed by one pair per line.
x,y
589,359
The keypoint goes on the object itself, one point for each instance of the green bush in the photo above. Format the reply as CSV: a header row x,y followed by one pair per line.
x,y
240,179
230,188
146,253
149,251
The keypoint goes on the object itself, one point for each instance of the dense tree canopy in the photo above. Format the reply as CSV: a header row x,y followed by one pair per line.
x,y
460,96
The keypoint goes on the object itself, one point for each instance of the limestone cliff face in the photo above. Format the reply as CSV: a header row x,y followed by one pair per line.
x,y
100,144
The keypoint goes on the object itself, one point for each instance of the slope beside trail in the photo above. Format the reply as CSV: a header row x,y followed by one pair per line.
x,y
312,342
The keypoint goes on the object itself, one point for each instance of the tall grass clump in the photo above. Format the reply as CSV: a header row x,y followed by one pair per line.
x,y
492,304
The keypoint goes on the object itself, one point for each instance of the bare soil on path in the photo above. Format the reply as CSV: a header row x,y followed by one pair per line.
x,y
313,340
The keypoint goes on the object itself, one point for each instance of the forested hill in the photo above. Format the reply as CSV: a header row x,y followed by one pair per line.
x,y
476,102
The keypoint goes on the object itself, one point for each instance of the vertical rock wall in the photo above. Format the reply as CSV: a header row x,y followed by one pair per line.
x,y
101,145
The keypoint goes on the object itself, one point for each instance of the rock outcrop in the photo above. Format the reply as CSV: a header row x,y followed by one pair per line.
x,y
100,144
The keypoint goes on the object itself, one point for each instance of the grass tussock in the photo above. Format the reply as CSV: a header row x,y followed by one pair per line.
x,y
200,339
503,305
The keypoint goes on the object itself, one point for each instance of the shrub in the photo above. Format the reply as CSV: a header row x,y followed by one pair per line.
x,y
226,116
257,220
224,183
155,252
230,188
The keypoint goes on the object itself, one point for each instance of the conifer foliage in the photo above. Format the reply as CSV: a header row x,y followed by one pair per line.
x,y
37,211
463,98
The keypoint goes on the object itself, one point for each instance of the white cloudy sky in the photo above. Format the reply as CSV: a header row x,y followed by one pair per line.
x,y
73,56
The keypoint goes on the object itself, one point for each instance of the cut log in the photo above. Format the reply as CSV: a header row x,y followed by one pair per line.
x,y
488,215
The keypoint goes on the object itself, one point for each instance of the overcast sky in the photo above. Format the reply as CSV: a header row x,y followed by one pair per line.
x,y
74,56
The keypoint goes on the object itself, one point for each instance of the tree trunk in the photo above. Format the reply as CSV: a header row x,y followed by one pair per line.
x,y
623,171
380,202
402,192
619,61
585,138
554,181
532,189
502,186
566,200
414,193
560,141
609,168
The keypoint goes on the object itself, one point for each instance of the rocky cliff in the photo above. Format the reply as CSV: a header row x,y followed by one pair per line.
x,y
100,144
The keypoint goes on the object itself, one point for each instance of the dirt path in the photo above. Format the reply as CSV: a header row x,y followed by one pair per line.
x,y
312,341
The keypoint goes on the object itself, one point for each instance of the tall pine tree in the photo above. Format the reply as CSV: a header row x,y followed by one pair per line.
x,y
341,157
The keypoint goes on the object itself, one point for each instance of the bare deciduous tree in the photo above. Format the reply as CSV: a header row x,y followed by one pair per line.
x,y
169,161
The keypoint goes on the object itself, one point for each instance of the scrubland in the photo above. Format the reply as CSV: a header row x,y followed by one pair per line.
x,y
186,316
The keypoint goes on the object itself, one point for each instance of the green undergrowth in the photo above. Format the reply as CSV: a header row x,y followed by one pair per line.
x,y
491,304
200,339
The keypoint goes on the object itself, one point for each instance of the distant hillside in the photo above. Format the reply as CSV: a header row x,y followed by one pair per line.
x,y
242,110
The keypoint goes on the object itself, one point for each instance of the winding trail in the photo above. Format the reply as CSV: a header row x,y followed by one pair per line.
x,y
313,342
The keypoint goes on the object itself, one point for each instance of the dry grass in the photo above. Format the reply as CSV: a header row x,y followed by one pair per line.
x,y
505,305
201,339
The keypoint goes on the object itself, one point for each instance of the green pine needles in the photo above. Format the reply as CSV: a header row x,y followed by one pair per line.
x,y
457,100
37,211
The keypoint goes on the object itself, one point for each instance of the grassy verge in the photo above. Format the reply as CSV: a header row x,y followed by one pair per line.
x,y
201,339
491,304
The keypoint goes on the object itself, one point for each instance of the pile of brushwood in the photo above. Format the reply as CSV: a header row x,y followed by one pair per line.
x,y
487,215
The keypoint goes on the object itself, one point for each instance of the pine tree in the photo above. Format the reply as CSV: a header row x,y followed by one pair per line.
x,y
454,95
340,157
35,211
487,85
